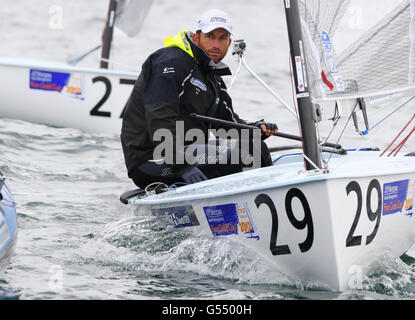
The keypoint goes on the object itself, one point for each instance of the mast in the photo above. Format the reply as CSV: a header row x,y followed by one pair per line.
x,y
108,32
305,107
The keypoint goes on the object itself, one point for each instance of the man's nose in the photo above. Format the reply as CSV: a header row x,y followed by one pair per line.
x,y
216,43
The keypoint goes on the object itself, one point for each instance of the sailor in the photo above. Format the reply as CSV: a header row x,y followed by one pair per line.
x,y
182,78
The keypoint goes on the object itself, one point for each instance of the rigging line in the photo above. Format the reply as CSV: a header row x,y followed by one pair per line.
x,y
344,129
400,146
311,162
336,122
82,57
366,141
236,74
397,137
267,87
388,116
155,184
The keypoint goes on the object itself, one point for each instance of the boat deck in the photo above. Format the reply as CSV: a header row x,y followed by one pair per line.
x,y
288,170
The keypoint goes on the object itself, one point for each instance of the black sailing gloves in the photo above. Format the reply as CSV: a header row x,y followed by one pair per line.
x,y
268,128
192,175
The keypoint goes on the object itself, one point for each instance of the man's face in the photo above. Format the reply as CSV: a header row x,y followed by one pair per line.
x,y
215,43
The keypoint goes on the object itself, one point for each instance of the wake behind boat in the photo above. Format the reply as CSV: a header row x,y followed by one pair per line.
x,y
320,217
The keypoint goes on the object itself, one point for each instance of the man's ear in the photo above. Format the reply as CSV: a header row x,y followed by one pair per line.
x,y
196,38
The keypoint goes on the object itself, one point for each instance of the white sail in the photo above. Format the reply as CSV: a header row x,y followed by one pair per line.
x,y
131,15
358,49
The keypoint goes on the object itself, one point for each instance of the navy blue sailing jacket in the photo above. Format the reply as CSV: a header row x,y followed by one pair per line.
x,y
175,81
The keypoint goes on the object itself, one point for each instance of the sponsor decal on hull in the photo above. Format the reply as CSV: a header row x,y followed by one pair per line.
x,y
180,217
228,219
398,197
64,83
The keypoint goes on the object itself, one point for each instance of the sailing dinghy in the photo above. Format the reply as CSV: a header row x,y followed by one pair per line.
x,y
64,95
8,223
319,217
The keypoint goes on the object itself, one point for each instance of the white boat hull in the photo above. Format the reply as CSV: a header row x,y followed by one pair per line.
x,y
64,96
315,227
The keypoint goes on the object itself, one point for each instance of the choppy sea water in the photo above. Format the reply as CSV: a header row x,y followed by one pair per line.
x,y
77,241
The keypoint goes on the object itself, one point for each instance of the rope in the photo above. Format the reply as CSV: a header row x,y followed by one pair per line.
x,y
364,133
404,141
242,62
155,184
344,129
236,74
397,137
177,185
82,57
267,87
311,162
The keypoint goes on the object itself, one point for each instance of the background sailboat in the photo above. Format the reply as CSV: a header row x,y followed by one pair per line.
x,y
8,223
64,95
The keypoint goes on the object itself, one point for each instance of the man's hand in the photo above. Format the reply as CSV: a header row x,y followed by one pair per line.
x,y
193,175
268,128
